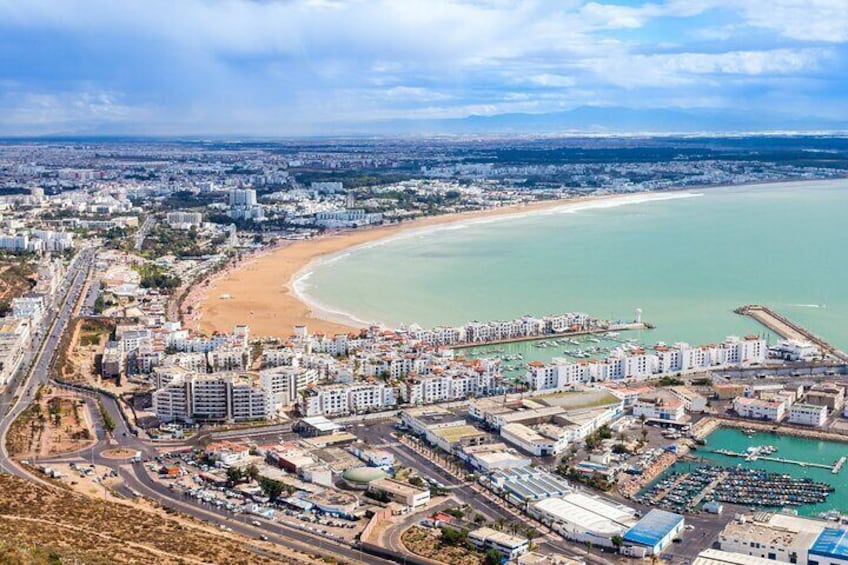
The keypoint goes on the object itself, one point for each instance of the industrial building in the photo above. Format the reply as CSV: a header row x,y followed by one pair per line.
x,y
779,537
653,533
492,456
719,557
528,484
585,518
808,415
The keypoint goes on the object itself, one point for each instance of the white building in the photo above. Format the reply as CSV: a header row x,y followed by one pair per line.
x,y
584,518
507,545
659,405
284,383
184,220
14,337
808,415
30,307
756,409
226,398
344,399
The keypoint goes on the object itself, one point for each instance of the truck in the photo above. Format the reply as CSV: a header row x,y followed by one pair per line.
x,y
136,458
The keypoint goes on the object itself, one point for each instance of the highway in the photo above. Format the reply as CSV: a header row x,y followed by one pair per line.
x,y
19,395
135,477
145,228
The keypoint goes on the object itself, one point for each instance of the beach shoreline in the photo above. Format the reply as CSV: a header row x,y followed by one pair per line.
x,y
262,290
266,289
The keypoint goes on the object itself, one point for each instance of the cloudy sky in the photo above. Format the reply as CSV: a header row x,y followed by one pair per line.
x,y
286,67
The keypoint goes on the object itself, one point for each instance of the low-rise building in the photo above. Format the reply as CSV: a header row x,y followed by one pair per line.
x,y
653,533
831,395
584,518
756,409
507,545
659,405
402,493
808,415
778,537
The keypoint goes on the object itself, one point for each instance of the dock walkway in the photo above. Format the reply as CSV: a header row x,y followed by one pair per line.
x,y
788,329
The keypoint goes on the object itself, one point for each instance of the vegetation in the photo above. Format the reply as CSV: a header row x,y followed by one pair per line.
x,y
154,276
431,544
164,240
451,536
108,422
272,489
492,557
593,440
594,481
669,381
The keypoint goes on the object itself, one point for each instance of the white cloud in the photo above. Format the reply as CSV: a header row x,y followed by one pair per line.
x,y
806,20
292,61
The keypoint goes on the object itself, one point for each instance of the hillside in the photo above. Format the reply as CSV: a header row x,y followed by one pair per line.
x,y
40,524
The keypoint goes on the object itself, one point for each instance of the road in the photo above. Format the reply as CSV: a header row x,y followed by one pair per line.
x,y
19,395
135,477
145,228
377,434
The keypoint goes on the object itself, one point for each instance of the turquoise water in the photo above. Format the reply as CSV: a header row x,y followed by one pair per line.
x,y
788,447
687,262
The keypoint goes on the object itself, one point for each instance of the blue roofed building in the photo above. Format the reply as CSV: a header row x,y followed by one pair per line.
x,y
830,548
653,533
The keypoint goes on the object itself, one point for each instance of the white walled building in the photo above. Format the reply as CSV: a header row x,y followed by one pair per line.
x,y
808,415
284,383
227,398
757,409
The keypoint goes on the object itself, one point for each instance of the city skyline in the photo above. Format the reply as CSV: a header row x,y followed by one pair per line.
x,y
334,67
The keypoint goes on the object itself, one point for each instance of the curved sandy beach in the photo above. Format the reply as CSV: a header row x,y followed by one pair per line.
x,y
259,290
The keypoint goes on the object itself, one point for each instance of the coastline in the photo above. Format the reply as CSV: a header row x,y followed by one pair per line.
x,y
262,288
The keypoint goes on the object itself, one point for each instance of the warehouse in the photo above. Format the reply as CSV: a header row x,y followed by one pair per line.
x,y
489,457
584,518
523,484
653,533
830,548
718,557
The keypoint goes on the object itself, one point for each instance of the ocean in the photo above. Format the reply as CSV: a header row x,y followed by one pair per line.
x,y
687,259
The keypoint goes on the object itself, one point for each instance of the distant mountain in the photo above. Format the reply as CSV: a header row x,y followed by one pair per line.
x,y
600,120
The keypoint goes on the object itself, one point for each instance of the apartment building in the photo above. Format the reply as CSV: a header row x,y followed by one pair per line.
x,y
224,398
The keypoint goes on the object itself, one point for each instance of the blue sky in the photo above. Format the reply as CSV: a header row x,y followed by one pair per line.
x,y
289,67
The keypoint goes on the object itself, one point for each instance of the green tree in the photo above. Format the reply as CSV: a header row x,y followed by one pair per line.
x,y
451,536
234,476
617,540
272,489
493,557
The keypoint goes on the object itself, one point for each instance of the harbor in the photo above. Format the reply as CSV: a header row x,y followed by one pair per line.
x,y
687,491
755,469
788,329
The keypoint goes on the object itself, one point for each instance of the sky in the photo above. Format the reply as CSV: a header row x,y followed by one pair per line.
x,y
295,67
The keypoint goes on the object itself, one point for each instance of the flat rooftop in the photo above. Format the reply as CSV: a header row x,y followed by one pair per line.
x,y
454,434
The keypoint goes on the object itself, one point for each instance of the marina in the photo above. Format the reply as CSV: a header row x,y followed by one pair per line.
x,y
764,470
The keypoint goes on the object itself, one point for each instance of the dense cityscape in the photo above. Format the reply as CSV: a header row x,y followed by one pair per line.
x,y
384,444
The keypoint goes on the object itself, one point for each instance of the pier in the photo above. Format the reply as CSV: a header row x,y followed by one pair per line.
x,y
788,329
618,327
754,457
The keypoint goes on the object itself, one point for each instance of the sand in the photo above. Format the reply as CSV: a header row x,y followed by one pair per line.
x,y
258,289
